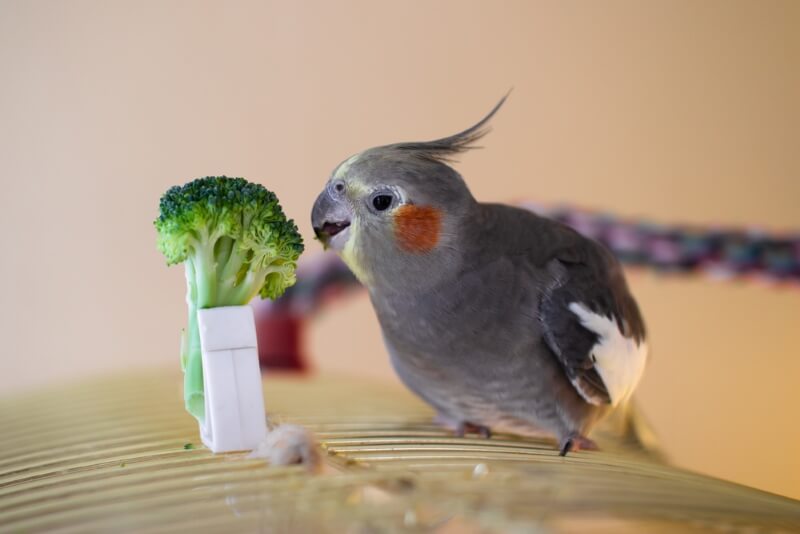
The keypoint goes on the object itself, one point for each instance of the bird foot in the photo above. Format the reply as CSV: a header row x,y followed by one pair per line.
x,y
461,428
464,428
576,442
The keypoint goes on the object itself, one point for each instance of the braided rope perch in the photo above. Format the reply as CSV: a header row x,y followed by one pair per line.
x,y
747,254
718,252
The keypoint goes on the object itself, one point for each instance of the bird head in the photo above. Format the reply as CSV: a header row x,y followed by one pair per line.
x,y
397,214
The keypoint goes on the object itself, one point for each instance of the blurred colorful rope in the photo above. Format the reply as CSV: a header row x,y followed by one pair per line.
x,y
717,252
720,253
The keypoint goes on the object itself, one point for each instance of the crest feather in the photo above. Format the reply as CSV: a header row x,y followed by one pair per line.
x,y
445,149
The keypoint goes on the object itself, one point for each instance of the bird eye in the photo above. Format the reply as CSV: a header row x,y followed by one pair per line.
x,y
381,202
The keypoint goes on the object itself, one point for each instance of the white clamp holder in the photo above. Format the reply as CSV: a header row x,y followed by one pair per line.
x,y
234,418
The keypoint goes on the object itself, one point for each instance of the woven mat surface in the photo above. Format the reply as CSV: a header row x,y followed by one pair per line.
x,y
120,454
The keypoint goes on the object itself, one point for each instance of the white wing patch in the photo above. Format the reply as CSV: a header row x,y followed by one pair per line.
x,y
619,360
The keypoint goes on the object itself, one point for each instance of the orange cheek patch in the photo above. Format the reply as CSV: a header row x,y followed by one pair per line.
x,y
417,227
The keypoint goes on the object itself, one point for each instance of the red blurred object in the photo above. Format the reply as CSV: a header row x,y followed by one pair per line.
x,y
280,335
280,324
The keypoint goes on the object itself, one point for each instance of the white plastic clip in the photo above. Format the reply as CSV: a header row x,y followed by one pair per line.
x,y
235,418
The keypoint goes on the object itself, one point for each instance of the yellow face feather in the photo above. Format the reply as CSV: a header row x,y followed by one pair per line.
x,y
355,190
344,167
350,253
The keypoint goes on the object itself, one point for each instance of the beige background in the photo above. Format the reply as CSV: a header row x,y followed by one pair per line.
x,y
679,111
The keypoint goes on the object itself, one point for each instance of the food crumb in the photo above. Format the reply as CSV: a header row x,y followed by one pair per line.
x,y
188,446
287,445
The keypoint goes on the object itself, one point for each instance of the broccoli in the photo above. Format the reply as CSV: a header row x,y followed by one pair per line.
x,y
235,242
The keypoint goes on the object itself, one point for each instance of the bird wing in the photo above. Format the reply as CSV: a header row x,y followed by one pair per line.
x,y
590,321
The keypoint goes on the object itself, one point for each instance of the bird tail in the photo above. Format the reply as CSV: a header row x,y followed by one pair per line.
x,y
630,427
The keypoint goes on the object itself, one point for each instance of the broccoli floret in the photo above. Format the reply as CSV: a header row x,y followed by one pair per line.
x,y
235,242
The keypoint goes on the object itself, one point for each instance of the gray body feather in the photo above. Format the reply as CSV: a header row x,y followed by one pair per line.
x,y
493,343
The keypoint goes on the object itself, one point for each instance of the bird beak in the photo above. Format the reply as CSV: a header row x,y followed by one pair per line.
x,y
331,218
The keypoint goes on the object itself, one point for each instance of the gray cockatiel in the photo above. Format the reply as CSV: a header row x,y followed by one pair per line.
x,y
498,318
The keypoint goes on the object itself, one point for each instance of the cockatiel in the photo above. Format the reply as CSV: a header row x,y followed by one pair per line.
x,y
498,318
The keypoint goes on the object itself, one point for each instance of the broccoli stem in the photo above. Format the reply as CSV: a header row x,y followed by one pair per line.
x,y
224,248
205,269
228,272
211,282
193,386
248,287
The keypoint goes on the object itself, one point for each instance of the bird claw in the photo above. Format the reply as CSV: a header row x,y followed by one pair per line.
x,y
463,428
574,443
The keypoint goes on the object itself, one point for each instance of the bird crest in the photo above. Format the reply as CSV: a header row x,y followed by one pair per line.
x,y
446,149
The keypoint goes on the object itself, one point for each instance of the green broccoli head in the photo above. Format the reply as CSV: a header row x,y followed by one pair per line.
x,y
235,242
234,233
